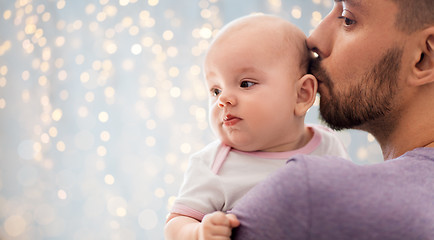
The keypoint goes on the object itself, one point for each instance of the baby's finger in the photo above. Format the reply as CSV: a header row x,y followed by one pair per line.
x,y
233,220
209,230
217,218
218,231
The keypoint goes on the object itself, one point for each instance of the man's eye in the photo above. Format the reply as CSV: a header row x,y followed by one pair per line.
x,y
246,84
215,92
347,17
347,21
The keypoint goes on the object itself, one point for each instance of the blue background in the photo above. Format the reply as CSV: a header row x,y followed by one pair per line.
x,y
101,104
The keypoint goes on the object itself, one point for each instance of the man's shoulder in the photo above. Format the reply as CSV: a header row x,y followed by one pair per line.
x,y
320,197
418,159
322,166
333,180
336,171
393,195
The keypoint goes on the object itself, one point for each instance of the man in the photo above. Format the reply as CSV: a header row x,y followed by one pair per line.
x,y
375,69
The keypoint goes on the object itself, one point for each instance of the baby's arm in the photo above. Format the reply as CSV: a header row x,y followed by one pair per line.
x,y
216,225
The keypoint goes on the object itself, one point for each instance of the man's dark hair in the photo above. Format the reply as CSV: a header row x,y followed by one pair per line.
x,y
414,15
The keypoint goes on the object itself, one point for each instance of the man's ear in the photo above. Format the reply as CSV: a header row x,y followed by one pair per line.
x,y
424,68
306,93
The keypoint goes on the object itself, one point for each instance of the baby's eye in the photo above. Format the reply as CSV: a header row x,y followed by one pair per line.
x,y
246,84
215,92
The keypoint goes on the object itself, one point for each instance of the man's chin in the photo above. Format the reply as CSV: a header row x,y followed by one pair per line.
x,y
339,123
333,120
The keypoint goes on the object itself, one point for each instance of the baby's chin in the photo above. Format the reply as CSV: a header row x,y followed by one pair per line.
x,y
241,146
240,140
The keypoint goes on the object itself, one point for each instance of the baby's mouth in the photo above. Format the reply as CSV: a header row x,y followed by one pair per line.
x,y
230,120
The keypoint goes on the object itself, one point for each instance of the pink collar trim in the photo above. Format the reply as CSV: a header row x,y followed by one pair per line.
x,y
307,149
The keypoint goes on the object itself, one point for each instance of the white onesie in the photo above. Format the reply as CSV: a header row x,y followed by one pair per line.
x,y
218,175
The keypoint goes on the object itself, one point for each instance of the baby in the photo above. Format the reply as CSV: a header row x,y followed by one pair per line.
x,y
256,73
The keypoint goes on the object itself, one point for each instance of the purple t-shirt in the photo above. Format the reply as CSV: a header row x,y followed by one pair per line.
x,y
327,198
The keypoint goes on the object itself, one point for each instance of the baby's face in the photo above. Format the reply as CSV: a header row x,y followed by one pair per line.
x,y
252,88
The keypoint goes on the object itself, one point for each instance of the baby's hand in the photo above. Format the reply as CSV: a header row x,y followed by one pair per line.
x,y
217,225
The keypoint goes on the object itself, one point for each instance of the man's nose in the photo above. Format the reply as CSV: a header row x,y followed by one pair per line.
x,y
322,38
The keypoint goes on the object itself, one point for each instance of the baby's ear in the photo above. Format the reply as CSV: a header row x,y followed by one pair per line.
x,y
306,93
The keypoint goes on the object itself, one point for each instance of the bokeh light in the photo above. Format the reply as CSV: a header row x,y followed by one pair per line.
x,y
101,104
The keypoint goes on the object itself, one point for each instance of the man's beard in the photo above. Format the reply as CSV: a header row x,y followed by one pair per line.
x,y
368,100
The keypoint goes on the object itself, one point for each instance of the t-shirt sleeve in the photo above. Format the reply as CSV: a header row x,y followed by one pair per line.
x,y
201,192
277,208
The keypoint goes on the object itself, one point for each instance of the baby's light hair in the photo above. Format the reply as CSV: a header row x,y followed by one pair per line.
x,y
294,37
289,35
